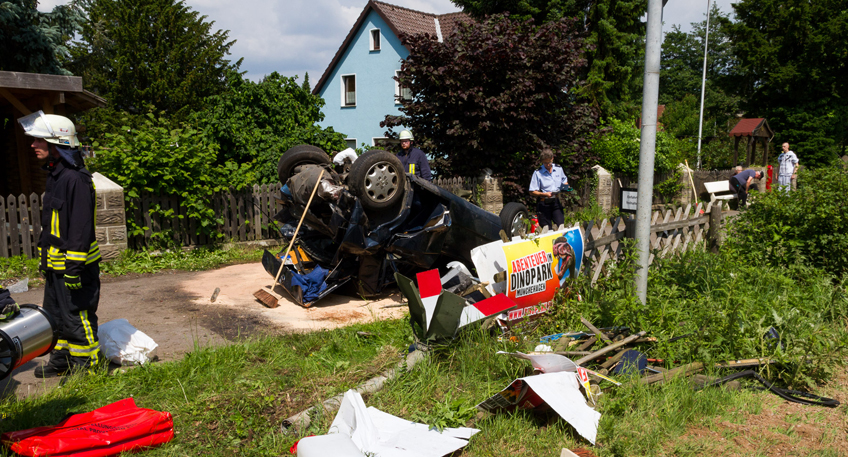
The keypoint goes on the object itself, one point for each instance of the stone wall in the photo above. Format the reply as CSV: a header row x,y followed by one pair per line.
x,y
111,217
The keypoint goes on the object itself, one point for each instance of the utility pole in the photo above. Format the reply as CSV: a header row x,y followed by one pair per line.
x,y
703,85
647,148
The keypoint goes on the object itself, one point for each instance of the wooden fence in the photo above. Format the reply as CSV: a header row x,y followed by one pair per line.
x,y
245,215
672,231
20,225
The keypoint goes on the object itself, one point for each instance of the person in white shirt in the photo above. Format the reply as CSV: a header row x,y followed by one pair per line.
x,y
787,168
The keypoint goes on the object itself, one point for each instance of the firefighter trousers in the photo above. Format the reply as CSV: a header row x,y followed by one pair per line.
x,y
75,315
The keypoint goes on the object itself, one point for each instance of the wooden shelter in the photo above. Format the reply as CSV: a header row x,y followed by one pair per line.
x,y
755,131
22,94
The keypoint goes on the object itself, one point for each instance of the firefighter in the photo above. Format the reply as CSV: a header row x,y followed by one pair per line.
x,y
70,255
413,159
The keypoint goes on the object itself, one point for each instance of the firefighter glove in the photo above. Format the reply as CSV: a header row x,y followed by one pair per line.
x,y
73,282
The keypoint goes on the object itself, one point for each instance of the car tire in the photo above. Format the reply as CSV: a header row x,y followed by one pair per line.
x,y
511,219
304,154
377,177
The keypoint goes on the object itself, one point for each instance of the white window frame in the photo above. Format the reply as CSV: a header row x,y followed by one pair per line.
x,y
350,139
398,90
343,91
371,40
374,139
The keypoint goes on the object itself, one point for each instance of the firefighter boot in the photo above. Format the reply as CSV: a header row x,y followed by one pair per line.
x,y
59,365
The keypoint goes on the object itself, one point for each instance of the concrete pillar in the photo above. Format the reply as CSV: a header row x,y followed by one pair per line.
x,y
111,217
686,194
492,195
603,193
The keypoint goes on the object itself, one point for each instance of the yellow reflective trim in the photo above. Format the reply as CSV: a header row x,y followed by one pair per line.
x,y
89,334
88,353
54,224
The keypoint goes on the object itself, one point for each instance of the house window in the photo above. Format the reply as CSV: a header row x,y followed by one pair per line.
x,y
351,142
375,39
401,93
380,142
348,90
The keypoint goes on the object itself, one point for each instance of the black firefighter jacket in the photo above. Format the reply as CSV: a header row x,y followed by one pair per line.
x,y
67,241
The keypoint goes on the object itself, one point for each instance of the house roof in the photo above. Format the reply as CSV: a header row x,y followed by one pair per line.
x,y
28,92
400,20
752,127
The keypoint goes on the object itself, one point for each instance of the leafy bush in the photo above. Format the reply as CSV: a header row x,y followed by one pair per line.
x,y
618,149
255,123
805,227
155,155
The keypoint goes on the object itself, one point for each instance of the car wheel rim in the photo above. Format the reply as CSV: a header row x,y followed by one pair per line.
x,y
517,227
381,182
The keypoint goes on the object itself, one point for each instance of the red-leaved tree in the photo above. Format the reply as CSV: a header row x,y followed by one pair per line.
x,y
493,94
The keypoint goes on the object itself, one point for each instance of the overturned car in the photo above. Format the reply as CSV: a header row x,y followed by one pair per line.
x,y
369,220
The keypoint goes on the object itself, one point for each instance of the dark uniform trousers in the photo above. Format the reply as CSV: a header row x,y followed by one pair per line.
x,y
549,210
74,312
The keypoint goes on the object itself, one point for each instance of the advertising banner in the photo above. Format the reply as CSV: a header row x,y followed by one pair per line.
x,y
529,272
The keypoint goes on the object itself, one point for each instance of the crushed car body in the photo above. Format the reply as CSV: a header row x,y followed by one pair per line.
x,y
370,220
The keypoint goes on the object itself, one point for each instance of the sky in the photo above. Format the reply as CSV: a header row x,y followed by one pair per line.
x,y
293,37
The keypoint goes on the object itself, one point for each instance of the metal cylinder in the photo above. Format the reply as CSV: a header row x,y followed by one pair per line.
x,y
30,334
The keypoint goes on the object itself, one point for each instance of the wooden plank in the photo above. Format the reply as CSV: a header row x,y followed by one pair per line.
x,y
678,224
26,227
257,215
234,222
146,199
35,220
4,233
39,81
606,240
243,219
14,230
14,101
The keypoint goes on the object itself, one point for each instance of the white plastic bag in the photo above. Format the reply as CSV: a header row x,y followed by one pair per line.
x,y
124,344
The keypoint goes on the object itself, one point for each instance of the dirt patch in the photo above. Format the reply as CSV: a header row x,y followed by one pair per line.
x,y
781,428
175,308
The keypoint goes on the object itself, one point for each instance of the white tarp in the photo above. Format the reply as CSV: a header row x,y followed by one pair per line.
x,y
358,431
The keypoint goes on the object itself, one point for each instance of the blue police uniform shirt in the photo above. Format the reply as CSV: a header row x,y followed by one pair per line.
x,y
542,181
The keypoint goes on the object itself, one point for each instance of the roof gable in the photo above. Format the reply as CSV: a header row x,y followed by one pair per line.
x,y
400,20
752,127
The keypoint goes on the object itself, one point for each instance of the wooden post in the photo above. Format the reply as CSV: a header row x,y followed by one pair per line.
x,y
714,233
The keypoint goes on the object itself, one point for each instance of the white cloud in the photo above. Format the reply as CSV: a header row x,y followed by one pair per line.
x,y
297,36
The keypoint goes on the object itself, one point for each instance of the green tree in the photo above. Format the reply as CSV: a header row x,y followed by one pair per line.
x,y
680,78
470,117
36,42
255,123
792,55
614,37
137,53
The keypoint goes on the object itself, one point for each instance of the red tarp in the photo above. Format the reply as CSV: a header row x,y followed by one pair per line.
x,y
110,430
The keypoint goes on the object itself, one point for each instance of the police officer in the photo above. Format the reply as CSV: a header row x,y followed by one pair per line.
x,y
545,183
70,255
413,159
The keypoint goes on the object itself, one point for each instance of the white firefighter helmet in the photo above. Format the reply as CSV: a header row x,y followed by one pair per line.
x,y
406,135
54,129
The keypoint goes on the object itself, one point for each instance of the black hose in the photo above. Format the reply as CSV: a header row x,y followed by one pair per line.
x,y
790,395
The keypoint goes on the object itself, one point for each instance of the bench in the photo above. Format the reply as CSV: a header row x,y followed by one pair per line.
x,y
717,187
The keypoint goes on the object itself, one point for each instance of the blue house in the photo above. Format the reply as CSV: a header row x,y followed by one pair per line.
x,y
357,86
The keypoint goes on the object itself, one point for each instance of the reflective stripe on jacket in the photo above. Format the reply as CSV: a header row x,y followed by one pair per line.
x,y
68,241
